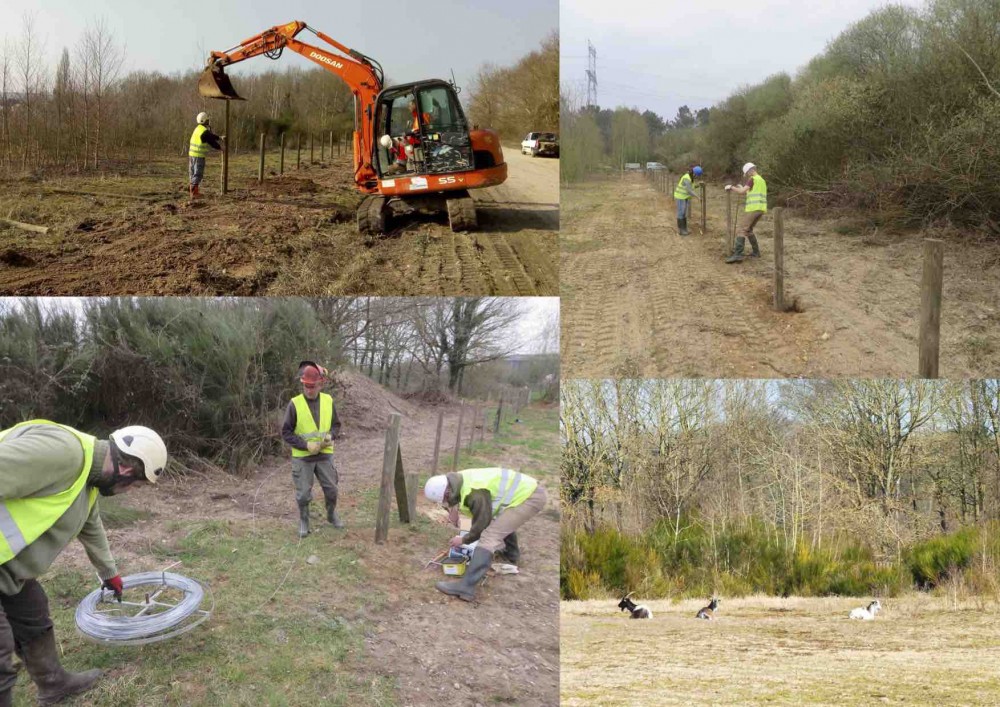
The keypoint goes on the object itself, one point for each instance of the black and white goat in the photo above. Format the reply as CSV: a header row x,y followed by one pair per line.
x,y
868,613
638,611
708,612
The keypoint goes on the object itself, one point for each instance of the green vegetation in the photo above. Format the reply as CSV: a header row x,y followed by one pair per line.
x,y
750,560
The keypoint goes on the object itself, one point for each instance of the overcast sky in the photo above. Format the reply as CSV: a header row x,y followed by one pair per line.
x,y
662,55
412,40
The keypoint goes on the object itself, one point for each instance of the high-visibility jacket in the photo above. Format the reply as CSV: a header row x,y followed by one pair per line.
x,y
680,191
507,487
24,520
306,427
757,196
197,148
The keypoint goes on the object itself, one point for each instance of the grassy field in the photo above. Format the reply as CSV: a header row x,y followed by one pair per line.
x,y
331,619
765,650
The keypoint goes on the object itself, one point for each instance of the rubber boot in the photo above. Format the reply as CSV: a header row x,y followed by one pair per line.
x,y
54,683
680,227
331,515
684,227
195,194
755,249
465,588
510,549
737,255
303,520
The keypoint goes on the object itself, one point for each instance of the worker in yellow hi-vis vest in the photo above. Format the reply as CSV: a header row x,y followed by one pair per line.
x,y
499,501
756,206
50,478
201,139
310,426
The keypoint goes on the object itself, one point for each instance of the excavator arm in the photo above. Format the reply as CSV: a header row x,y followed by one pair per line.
x,y
362,74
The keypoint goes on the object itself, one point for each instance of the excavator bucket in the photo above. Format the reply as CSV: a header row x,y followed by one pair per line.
x,y
215,84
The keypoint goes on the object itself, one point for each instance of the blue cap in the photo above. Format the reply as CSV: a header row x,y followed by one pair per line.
x,y
697,171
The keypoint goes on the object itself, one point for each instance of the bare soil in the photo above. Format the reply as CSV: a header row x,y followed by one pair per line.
x,y
502,649
639,300
292,234
764,650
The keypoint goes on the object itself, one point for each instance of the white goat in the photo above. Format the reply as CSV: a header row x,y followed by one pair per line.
x,y
866,614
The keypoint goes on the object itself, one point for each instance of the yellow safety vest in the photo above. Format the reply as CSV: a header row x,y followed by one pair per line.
x,y
197,147
679,191
24,520
305,425
507,487
757,196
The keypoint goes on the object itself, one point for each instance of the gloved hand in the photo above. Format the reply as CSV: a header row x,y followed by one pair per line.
x,y
314,445
327,439
728,187
115,585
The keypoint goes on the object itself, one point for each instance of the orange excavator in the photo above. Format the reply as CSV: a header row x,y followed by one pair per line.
x,y
426,157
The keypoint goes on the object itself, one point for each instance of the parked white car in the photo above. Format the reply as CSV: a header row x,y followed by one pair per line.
x,y
655,166
540,144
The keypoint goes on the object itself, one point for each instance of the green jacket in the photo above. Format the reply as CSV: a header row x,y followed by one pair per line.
x,y
40,460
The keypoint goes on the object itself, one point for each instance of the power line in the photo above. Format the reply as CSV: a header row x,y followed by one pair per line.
x,y
591,74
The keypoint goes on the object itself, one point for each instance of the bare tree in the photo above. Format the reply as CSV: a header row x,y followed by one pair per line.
x,y
100,58
29,68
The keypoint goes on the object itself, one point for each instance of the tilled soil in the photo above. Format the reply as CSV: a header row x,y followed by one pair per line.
x,y
293,234
503,649
639,300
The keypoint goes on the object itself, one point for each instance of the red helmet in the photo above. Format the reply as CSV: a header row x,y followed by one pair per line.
x,y
311,373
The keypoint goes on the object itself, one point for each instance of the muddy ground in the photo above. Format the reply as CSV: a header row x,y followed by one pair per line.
x,y
795,651
502,650
292,235
639,300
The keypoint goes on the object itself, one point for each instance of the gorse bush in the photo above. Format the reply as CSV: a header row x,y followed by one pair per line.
x,y
209,375
738,561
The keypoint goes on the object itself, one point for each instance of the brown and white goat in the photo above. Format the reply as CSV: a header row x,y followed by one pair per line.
x,y
708,612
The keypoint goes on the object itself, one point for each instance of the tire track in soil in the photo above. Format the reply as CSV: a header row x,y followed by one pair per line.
x,y
648,302
501,281
468,263
431,271
512,265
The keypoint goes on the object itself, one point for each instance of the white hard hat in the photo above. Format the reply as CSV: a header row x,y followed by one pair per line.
x,y
145,445
748,166
435,487
202,118
385,141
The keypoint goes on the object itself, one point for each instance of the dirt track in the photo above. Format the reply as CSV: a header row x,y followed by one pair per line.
x,y
293,234
639,300
504,649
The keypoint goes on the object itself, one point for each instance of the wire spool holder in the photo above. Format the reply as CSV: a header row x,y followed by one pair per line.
x,y
130,623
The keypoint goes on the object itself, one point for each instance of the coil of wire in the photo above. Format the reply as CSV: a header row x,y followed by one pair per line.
x,y
143,627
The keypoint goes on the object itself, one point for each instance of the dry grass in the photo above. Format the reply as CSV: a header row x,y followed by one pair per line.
x,y
765,650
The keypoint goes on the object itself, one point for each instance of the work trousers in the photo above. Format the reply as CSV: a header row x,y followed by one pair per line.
x,y
196,168
748,219
510,519
683,208
24,617
322,469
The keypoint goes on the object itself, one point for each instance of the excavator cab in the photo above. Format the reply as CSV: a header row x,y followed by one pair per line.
x,y
425,124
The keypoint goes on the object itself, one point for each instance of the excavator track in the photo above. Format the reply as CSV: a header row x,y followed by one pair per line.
x,y
462,213
371,216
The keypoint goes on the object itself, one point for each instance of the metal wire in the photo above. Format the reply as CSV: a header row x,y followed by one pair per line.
x,y
103,627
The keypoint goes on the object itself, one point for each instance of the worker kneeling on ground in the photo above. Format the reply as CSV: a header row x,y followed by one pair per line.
x,y
683,193
201,139
50,476
756,206
311,424
500,501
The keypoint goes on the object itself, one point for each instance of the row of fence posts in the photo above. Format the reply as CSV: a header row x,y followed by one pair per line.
x,y
930,286
327,142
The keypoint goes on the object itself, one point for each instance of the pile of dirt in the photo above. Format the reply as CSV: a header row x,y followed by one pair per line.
x,y
365,403
430,397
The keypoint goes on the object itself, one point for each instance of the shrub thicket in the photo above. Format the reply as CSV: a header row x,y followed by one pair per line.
x,y
750,560
208,374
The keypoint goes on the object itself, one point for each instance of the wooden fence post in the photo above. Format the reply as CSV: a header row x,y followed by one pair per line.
x,y
260,168
485,414
389,464
704,211
458,438
312,152
930,307
281,163
225,155
331,144
437,443
472,428
496,424
298,151
322,149
779,259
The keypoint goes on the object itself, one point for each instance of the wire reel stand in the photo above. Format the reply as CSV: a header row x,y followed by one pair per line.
x,y
102,619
